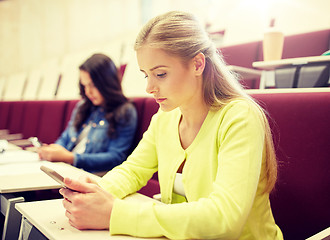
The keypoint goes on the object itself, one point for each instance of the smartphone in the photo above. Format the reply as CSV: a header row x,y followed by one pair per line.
x,y
53,174
35,141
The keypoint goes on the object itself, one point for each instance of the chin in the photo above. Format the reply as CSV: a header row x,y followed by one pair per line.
x,y
165,108
96,103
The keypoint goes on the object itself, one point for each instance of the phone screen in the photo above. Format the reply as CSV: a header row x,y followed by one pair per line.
x,y
53,174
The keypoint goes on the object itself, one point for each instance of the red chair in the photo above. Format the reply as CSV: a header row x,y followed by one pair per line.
x,y
51,120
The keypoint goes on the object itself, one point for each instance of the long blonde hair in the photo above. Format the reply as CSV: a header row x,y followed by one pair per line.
x,y
180,34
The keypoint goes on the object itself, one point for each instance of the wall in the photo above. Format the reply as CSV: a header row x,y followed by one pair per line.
x,y
35,31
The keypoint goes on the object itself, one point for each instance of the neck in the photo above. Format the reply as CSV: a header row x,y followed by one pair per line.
x,y
195,115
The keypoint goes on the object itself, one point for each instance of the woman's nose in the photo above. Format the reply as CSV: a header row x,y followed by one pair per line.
x,y
151,87
87,90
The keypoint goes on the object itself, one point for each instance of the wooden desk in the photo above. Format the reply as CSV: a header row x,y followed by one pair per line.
x,y
22,177
272,65
323,235
269,67
4,144
245,73
11,156
286,90
13,147
49,218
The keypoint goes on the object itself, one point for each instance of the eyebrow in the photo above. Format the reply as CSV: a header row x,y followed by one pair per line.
x,y
154,68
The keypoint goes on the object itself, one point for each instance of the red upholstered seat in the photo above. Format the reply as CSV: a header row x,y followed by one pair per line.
x,y
306,44
146,108
4,114
300,124
15,116
31,118
51,120
242,54
70,106
150,108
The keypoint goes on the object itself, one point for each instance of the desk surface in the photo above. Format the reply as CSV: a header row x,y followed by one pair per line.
x,y
245,73
20,177
11,155
49,218
271,65
287,90
323,235
4,144
13,147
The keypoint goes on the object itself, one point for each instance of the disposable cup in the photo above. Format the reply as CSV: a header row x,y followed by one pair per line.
x,y
273,45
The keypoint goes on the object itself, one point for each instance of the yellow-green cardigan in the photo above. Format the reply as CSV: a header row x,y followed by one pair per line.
x,y
221,177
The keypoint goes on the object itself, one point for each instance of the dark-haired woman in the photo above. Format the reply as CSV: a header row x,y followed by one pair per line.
x,y
102,126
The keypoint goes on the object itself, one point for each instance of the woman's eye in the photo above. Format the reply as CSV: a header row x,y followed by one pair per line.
x,y
161,75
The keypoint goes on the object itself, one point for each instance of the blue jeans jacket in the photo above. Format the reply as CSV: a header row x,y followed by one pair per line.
x,y
102,153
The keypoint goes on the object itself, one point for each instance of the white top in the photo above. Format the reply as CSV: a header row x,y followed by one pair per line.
x,y
178,185
82,140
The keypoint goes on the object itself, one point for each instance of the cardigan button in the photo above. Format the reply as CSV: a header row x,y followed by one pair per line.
x,y
101,123
73,139
94,125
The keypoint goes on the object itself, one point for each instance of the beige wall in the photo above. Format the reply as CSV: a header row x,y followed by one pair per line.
x,y
35,31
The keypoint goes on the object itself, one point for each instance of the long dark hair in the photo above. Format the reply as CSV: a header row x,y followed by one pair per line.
x,y
104,75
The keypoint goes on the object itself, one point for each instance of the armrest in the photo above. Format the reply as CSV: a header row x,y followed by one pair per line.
x,y
4,132
10,137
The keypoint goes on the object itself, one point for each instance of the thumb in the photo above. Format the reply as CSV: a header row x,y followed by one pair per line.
x,y
78,186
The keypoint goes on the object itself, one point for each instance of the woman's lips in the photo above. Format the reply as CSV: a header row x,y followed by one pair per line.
x,y
160,100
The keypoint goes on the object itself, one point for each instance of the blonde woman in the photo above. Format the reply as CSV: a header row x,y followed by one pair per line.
x,y
210,143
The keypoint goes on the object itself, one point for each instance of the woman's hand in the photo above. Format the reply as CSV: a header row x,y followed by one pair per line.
x,y
55,153
87,205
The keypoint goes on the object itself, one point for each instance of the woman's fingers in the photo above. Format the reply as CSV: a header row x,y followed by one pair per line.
x,y
79,186
86,178
84,201
67,204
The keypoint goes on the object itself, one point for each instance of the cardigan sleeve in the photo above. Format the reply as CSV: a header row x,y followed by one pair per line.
x,y
134,173
222,214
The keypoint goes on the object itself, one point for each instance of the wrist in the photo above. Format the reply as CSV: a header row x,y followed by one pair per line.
x,y
70,158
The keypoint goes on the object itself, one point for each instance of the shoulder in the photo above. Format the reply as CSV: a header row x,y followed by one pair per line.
x,y
77,107
240,110
241,106
129,109
126,113
239,117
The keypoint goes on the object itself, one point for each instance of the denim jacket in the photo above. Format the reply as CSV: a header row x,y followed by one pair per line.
x,y
102,153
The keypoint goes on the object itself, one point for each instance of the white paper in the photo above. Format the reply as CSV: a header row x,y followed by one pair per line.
x,y
16,156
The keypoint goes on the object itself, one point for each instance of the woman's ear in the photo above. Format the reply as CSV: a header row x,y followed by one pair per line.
x,y
199,63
